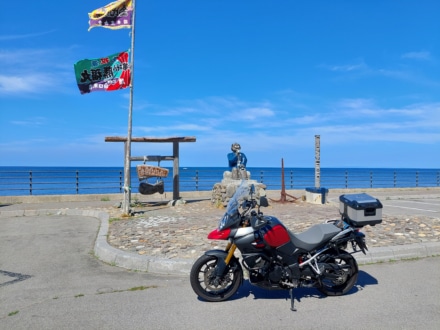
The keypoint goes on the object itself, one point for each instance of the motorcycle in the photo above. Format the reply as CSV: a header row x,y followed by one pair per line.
x,y
276,258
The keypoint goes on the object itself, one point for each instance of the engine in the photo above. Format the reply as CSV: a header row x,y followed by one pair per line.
x,y
276,274
256,262
270,274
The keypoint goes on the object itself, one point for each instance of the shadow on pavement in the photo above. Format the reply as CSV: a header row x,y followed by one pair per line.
x,y
247,289
2,205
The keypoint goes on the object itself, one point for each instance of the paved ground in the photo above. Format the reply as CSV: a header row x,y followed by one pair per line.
x,y
50,279
180,232
161,238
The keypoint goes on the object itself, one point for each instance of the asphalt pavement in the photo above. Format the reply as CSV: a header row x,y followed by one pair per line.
x,y
52,276
422,202
50,279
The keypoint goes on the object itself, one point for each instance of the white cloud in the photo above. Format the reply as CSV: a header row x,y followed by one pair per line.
x,y
217,109
27,57
172,129
255,113
422,55
363,108
10,37
34,71
346,67
349,121
363,120
396,71
27,83
29,122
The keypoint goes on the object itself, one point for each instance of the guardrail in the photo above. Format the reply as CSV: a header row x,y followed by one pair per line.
x,y
67,181
102,181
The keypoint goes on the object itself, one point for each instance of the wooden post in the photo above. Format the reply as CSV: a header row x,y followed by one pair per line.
x,y
126,189
317,162
176,190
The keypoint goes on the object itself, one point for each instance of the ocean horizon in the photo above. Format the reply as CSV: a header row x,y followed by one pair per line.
x,y
48,180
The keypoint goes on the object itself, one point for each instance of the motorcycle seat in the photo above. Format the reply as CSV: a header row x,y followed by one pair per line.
x,y
314,236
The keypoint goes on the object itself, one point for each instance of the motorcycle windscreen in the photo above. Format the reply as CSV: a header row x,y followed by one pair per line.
x,y
228,221
276,236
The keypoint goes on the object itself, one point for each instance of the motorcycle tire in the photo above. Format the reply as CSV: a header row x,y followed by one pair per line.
x,y
207,286
346,280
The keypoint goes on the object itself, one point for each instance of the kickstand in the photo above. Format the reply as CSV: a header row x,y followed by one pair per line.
x,y
292,301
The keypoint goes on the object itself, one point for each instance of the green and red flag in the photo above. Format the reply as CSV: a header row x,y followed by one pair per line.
x,y
115,15
108,73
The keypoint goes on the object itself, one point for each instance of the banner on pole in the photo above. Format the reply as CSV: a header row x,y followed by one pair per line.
x,y
103,74
115,15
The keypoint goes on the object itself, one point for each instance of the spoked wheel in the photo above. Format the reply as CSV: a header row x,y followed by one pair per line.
x,y
340,275
211,287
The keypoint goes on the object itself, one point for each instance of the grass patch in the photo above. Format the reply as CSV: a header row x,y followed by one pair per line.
x,y
219,204
406,259
105,199
140,288
136,288
79,295
13,313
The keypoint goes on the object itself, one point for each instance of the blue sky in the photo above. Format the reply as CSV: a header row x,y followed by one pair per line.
x,y
364,75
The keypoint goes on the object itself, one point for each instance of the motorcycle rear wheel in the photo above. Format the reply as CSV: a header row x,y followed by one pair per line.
x,y
347,278
207,286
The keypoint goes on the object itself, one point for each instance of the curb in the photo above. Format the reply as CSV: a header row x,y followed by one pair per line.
x,y
107,253
161,266
399,252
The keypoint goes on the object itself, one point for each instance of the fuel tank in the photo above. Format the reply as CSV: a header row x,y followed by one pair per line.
x,y
274,233
272,236
276,236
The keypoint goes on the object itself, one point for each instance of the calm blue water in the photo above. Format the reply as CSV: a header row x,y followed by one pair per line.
x,y
98,180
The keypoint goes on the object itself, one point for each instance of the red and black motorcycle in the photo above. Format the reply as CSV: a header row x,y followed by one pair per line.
x,y
275,257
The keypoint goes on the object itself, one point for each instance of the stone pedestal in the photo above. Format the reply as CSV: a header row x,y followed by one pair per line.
x,y
224,190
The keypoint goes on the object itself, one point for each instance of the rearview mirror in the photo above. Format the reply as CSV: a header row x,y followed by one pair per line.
x,y
263,202
252,190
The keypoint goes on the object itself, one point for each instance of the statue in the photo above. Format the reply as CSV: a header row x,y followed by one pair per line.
x,y
237,162
224,190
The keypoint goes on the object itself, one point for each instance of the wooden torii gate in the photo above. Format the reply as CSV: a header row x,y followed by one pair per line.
x,y
174,157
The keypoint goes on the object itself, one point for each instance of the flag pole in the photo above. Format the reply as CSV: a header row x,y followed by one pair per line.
x,y
127,162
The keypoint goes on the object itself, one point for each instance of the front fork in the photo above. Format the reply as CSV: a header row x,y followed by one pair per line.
x,y
230,248
222,264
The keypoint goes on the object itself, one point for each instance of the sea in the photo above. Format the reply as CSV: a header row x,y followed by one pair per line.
x,y
21,180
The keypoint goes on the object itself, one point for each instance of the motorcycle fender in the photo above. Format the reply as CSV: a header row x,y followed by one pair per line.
x,y
360,240
221,256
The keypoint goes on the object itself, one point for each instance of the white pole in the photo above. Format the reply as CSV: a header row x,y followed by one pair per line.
x,y
127,149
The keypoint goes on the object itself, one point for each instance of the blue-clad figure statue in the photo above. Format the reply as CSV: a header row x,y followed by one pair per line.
x,y
237,162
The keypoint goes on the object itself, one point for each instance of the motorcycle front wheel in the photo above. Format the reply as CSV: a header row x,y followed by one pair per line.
x,y
342,277
211,287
